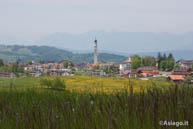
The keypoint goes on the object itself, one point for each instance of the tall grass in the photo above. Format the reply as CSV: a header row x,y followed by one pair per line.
x,y
64,110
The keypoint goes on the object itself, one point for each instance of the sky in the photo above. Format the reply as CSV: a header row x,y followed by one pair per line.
x,y
36,18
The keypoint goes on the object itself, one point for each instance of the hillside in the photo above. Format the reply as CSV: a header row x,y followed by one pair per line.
x,y
45,53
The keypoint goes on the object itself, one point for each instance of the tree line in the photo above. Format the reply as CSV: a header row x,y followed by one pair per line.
x,y
14,67
162,62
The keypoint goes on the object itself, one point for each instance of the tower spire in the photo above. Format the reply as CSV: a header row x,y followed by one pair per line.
x,y
95,52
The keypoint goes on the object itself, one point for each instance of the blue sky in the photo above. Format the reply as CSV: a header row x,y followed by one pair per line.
x,y
37,18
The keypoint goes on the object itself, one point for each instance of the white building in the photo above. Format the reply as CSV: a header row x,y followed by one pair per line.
x,y
126,65
185,63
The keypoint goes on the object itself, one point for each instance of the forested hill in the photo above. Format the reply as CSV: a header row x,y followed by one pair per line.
x,y
45,53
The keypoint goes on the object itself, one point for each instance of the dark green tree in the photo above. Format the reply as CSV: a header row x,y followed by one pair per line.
x,y
164,57
163,65
176,66
159,59
148,61
65,64
136,61
170,56
5,68
28,62
170,64
1,62
16,69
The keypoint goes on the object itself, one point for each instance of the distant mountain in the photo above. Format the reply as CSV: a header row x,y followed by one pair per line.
x,y
123,42
9,40
113,43
45,53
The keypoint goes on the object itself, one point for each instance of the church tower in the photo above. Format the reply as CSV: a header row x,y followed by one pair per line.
x,y
95,52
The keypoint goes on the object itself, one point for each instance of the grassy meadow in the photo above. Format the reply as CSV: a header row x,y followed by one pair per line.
x,y
93,103
83,84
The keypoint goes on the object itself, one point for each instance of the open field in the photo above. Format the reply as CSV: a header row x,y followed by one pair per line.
x,y
84,84
25,104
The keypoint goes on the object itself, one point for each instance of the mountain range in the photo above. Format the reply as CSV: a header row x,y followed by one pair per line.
x,y
118,43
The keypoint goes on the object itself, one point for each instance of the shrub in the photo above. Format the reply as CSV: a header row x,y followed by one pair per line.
x,y
46,82
57,83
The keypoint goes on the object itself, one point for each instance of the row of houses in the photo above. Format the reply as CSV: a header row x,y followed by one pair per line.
x,y
184,69
7,74
57,69
126,71
50,68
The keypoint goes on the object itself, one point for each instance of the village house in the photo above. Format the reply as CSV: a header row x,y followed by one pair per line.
x,y
93,70
146,71
60,72
185,63
35,73
184,71
33,67
51,64
129,73
81,66
96,72
51,67
175,78
126,65
112,66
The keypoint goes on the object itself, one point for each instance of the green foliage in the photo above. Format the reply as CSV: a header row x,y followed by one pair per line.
x,y
16,69
176,66
164,57
57,83
163,65
46,82
13,68
96,67
148,61
159,59
5,68
170,56
1,62
28,62
79,73
136,61
65,64
166,63
188,79
45,53
170,64
68,64
110,70
56,110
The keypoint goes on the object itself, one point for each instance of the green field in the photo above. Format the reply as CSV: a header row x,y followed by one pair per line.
x,y
83,84
93,103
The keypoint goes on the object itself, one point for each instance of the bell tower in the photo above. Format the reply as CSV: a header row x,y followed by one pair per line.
x,y
95,52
